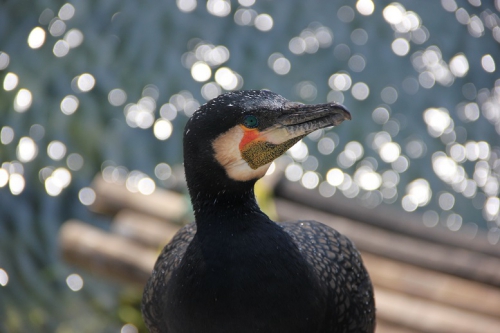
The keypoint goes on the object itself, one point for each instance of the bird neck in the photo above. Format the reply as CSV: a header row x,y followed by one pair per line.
x,y
220,206
216,197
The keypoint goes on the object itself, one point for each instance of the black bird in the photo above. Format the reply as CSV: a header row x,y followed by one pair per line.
x,y
234,270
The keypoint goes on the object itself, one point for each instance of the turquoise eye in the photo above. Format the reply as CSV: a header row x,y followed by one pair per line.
x,y
250,121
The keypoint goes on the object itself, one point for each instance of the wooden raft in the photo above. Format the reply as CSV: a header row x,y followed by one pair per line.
x,y
421,285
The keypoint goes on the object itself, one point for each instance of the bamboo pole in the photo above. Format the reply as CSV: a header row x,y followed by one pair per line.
x,y
106,254
447,259
162,204
144,229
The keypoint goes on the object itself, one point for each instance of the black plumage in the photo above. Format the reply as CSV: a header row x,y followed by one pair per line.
x,y
235,270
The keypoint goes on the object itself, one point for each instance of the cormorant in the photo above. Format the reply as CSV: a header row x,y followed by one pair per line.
x,y
234,270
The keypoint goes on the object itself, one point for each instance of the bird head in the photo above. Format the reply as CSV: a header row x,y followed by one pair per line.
x,y
243,132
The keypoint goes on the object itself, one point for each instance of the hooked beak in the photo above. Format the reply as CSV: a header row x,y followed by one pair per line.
x,y
298,120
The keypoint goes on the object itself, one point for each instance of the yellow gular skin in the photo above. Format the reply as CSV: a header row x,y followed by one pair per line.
x,y
258,153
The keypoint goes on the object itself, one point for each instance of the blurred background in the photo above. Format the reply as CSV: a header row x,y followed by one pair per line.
x,y
107,86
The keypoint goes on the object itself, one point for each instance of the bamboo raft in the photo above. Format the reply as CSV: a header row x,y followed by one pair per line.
x,y
424,282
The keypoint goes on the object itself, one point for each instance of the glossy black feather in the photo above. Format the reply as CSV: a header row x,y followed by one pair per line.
x,y
347,306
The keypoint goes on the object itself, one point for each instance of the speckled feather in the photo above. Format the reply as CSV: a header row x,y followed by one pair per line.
x,y
339,267
166,263
337,263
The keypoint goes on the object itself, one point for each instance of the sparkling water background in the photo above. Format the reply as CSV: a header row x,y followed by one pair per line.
x,y
91,86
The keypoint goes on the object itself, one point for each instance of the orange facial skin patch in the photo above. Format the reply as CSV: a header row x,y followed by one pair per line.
x,y
249,135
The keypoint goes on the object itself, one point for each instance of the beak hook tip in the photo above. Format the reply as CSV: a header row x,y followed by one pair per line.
x,y
346,112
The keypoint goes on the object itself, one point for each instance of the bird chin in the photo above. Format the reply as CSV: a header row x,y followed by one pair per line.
x,y
231,158
244,172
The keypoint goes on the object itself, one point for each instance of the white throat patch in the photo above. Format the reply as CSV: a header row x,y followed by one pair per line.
x,y
228,154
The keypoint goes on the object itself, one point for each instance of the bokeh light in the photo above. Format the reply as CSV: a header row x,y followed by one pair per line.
x,y
246,3
16,183
56,150
400,46
6,135
36,38
245,16
389,95
228,79
69,104
140,114
57,27
186,6
418,194
163,171
306,90
357,63
162,129
367,179
326,146
459,65
4,60
219,8
210,90
85,82
4,277
446,201
360,91
4,177
73,38
129,328
311,39
57,181
488,63
264,22
294,172
37,132
74,161
66,12
335,176
74,282
138,182
340,82
389,152
279,64
169,111
26,150
345,14
87,196
117,97
23,100
365,7
359,36
299,151
310,180
438,121
200,71
61,48
10,81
